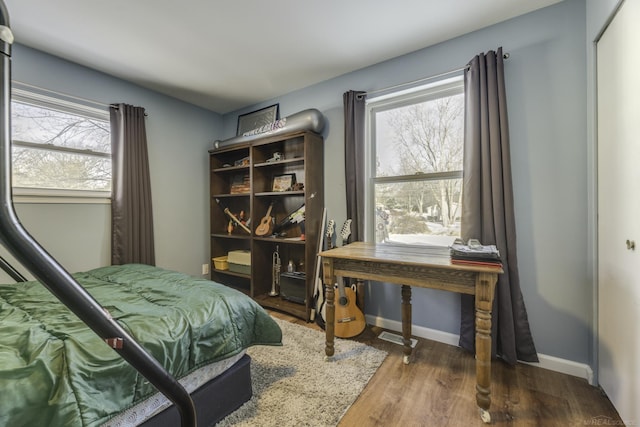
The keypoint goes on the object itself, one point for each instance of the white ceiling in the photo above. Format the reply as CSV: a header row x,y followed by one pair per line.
x,y
224,55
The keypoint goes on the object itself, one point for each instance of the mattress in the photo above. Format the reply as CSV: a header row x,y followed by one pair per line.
x,y
55,371
158,402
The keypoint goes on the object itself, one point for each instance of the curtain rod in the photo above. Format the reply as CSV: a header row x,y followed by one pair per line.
x,y
117,107
424,79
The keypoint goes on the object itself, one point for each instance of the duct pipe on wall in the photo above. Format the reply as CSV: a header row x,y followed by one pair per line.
x,y
310,119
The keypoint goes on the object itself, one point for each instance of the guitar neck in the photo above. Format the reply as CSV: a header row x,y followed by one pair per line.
x,y
346,231
331,226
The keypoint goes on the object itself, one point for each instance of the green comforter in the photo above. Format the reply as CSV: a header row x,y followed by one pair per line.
x,y
54,371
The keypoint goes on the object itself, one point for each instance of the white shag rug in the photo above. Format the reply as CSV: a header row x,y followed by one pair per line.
x,y
294,386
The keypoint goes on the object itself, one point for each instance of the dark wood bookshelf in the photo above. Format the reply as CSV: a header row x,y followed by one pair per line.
x,y
301,154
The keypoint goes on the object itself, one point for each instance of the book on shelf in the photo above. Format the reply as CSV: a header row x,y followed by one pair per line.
x,y
240,184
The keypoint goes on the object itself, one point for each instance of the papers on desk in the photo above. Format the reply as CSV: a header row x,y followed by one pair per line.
x,y
474,253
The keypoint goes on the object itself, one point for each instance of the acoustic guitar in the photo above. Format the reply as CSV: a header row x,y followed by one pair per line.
x,y
266,223
349,320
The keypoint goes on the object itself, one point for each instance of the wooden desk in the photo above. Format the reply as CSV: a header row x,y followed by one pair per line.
x,y
424,268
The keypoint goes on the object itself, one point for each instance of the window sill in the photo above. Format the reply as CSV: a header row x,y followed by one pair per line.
x,y
435,243
44,196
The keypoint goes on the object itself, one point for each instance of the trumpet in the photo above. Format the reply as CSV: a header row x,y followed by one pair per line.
x,y
275,279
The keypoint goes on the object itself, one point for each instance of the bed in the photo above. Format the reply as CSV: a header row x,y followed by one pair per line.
x,y
56,371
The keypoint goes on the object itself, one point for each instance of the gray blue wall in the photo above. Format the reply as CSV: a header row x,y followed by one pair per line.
x,y
546,90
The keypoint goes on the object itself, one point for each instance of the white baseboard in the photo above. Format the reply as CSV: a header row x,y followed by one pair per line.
x,y
551,363
564,366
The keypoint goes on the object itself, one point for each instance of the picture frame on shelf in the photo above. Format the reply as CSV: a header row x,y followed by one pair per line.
x,y
258,118
283,182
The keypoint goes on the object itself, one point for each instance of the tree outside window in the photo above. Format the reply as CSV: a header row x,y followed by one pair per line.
x,y
55,149
417,141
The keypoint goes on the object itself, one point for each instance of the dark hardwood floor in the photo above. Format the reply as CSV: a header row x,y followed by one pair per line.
x,y
438,389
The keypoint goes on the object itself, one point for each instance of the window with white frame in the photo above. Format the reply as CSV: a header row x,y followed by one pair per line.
x,y
60,147
415,149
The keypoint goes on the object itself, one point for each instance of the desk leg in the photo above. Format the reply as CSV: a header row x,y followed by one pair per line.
x,y
485,287
330,311
406,323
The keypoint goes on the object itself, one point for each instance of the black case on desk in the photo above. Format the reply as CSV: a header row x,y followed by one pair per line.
x,y
292,287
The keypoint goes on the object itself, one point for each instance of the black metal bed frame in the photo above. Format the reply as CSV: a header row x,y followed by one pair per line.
x,y
11,271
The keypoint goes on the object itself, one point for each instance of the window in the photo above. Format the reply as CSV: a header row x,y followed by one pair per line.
x,y
59,147
415,174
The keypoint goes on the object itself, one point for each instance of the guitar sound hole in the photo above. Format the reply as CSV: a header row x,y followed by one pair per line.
x,y
343,301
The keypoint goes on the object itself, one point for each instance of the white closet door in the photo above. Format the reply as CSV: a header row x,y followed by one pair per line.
x,y
618,63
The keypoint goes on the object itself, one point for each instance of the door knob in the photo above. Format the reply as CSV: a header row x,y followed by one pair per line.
x,y
631,245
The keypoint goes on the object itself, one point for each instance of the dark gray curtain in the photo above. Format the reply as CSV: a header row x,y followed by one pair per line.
x,y
131,216
488,212
354,160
